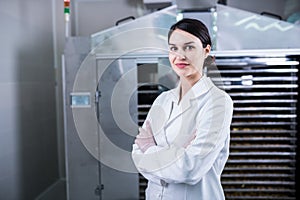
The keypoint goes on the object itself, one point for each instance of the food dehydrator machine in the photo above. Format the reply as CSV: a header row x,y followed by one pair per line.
x,y
112,77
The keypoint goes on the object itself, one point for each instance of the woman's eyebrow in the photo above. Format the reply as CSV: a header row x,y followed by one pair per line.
x,y
187,43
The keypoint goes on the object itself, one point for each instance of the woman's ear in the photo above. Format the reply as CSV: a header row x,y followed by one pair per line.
x,y
207,50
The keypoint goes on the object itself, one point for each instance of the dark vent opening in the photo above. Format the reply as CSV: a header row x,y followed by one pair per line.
x,y
262,161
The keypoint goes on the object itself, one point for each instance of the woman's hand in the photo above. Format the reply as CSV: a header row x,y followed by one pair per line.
x,y
145,138
191,138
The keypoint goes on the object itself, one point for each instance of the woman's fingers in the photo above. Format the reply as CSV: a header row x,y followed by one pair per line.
x,y
191,138
148,127
145,137
143,133
149,131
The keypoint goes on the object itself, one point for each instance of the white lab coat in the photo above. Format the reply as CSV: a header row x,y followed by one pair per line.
x,y
179,172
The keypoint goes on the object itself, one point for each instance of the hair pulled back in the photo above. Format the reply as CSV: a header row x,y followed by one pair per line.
x,y
194,27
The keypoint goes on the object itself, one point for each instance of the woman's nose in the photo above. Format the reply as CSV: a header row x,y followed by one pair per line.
x,y
180,55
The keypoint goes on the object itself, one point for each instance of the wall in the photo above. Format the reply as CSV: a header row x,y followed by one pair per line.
x,y
28,135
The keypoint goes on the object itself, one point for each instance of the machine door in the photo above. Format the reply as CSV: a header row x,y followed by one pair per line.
x,y
126,90
117,119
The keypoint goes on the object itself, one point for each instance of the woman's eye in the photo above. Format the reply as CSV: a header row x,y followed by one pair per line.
x,y
173,48
189,47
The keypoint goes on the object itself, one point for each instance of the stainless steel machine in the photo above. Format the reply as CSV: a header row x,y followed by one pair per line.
x,y
102,77
112,78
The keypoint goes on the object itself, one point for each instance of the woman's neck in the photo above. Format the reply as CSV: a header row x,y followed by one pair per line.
x,y
187,83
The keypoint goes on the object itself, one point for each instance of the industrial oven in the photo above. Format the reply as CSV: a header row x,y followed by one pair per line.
x,y
112,78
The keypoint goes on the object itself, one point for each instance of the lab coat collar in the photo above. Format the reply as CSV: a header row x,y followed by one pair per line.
x,y
201,87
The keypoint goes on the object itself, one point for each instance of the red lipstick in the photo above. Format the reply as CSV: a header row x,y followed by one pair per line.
x,y
181,65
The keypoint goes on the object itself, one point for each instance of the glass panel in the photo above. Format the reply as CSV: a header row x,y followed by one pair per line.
x,y
144,33
238,29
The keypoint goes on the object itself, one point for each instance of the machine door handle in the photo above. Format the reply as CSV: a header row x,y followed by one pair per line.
x,y
125,19
271,15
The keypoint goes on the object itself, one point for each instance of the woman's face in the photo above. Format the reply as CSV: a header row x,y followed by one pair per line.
x,y
186,54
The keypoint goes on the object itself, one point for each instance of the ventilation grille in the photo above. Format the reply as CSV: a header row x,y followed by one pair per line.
x,y
262,161
147,93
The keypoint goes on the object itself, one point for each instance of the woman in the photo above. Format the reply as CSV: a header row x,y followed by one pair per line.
x,y
184,143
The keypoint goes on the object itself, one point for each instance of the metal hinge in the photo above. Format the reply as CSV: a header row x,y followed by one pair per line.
x,y
98,189
97,96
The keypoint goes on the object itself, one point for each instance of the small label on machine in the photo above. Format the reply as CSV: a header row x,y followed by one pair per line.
x,y
80,100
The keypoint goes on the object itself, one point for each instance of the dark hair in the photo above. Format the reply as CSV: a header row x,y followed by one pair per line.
x,y
194,27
